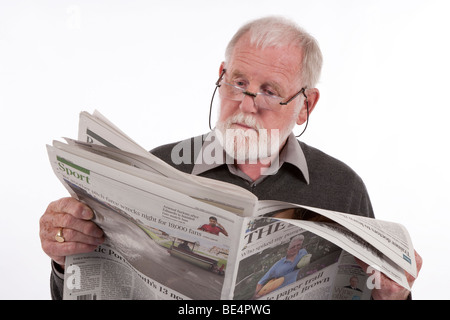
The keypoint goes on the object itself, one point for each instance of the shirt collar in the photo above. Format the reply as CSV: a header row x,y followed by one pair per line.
x,y
291,153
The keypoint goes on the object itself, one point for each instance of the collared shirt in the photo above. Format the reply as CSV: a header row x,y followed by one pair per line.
x,y
291,153
305,175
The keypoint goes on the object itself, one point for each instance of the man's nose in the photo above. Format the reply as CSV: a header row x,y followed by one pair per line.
x,y
248,104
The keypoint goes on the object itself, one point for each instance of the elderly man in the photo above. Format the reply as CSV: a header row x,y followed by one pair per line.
x,y
266,87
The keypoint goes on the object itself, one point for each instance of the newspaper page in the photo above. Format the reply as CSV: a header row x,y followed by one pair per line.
x,y
105,274
358,247
391,238
97,129
159,232
360,240
278,260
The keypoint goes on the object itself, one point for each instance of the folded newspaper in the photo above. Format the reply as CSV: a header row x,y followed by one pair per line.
x,y
172,235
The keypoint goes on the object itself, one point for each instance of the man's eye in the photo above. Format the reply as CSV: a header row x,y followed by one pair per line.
x,y
240,83
269,92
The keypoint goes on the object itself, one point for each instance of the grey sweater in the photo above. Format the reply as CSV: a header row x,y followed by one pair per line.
x,y
332,184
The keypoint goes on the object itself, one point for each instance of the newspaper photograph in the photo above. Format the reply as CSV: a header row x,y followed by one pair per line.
x,y
280,261
152,250
362,239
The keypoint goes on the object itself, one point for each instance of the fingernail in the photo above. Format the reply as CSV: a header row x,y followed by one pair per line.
x,y
98,233
87,214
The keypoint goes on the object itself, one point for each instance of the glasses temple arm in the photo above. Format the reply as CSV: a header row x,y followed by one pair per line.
x,y
295,96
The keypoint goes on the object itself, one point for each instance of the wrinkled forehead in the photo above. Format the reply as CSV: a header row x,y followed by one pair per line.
x,y
252,42
282,62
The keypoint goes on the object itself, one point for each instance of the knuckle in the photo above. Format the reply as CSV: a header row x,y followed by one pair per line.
x,y
90,229
70,247
69,234
48,214
56,205
65,204
68,205
67,220
45,231
46,247
419,260
50,249
43,221
51,206
42,232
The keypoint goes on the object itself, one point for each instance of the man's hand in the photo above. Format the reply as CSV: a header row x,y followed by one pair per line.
x,y
389,289
80,234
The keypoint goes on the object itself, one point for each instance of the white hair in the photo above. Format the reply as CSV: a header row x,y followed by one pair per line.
x,y
276,32
299,237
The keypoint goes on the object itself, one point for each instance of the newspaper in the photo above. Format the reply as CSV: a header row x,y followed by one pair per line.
x,y
170,235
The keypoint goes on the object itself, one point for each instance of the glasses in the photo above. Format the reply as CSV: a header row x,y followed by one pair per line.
x,y
263,100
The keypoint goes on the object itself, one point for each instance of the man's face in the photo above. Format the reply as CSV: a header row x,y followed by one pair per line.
x,y
294,247
354,282
212,222
275,68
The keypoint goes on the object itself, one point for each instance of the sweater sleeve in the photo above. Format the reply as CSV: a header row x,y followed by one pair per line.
x,y
56,282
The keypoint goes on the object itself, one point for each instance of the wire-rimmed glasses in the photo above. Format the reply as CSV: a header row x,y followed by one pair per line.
x,y
262,100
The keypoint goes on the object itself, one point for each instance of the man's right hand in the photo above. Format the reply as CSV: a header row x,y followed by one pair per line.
x,y
80,234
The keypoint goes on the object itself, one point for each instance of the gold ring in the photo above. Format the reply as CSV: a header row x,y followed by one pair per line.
x,y
59,236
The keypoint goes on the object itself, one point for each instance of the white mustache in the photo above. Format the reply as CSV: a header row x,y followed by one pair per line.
x,y
246,120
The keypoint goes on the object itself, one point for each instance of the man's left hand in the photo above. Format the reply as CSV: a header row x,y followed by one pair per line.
x,y
389,289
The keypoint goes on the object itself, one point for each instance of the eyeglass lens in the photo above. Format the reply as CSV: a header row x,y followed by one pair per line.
x,y
229,91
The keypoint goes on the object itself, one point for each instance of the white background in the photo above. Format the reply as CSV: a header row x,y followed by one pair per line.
x,y
150,66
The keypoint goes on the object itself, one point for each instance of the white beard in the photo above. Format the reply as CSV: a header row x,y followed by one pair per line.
x,y
251,145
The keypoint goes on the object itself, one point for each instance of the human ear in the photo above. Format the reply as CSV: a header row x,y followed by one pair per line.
x,y
309,103
222,67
